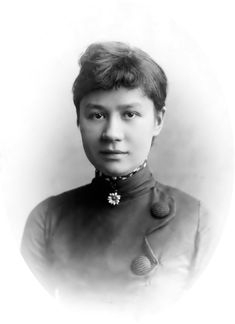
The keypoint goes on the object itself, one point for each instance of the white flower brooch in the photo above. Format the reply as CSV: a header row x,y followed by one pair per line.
x,y
114,198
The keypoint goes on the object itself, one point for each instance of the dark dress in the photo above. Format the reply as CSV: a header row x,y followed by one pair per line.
x,y
153,242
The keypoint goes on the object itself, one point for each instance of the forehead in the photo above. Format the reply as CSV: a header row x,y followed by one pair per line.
x,y
115,98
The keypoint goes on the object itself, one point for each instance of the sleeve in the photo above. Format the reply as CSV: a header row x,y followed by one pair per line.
x,y
205,240
34,244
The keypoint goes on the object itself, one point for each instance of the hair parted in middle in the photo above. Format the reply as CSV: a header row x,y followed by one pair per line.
x,y
111,65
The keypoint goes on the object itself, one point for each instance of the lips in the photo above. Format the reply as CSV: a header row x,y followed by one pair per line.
x,y
111,152
113,155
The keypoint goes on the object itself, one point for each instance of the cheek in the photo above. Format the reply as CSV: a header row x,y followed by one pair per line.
x,y
142,143
88,142
88,133
144,133
143,139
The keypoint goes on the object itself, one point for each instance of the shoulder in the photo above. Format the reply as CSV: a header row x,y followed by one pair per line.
x,y
190,207
185,204
45,215
41,225
61,200
188,210
188,229
68,197
179,194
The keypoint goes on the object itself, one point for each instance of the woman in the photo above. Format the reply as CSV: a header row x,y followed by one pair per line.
x,y
124,233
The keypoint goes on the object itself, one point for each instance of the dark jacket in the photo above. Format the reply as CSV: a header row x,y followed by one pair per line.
x,y
155,240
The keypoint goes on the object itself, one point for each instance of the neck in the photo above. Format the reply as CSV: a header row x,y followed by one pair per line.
x,y
123,177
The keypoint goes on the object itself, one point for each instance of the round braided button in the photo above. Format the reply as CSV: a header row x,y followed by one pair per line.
x,y
160,210
141,265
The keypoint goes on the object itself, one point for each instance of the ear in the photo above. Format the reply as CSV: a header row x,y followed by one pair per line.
x,y
159,119
78,117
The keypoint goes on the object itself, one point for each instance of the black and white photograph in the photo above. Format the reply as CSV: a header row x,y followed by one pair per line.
x,y
117,162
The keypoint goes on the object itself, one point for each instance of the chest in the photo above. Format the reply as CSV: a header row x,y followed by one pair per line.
x,y
94,246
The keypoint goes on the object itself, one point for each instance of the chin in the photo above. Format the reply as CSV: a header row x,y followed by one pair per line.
x,y
114,170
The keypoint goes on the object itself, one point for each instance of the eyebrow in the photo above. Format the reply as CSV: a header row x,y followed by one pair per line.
x,y
125,106
94,106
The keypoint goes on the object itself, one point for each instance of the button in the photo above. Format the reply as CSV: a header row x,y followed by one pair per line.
x,y
160,209
141,265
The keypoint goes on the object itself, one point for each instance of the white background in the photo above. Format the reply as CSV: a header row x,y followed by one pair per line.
x,y
40,45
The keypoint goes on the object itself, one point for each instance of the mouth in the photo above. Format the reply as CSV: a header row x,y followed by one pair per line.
x,y
113,154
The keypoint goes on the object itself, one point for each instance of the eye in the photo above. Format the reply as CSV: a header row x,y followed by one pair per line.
x,y
96,116
130,114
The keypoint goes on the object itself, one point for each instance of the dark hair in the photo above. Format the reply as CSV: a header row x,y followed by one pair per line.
x,y
109,65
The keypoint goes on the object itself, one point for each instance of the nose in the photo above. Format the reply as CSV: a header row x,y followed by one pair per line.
x,y
113,130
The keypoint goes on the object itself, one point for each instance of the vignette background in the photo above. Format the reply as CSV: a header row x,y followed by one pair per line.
x,y
41,147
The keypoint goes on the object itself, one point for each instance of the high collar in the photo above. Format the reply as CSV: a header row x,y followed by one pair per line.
x,y
136,185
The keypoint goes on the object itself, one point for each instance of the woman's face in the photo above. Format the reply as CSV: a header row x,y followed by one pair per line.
x,y
117,127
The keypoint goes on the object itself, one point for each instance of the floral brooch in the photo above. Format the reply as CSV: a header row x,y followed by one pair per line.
x,y
114,198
